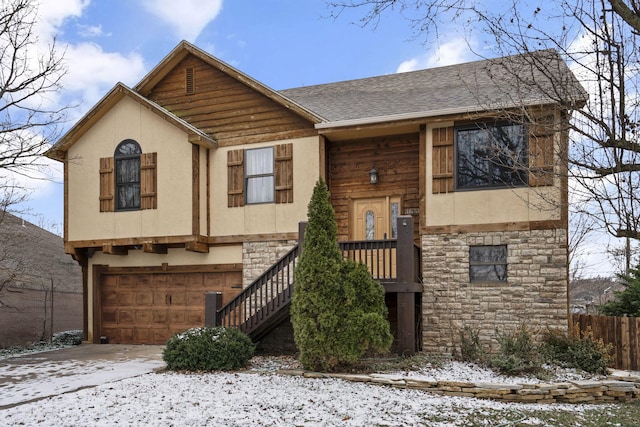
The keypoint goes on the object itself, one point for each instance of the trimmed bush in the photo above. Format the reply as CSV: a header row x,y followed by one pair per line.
x,y
338,311
65,338
208,349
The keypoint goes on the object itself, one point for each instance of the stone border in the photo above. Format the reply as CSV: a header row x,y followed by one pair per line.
x,y
616,388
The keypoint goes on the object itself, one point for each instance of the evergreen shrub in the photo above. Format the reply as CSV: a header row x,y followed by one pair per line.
x,y
208,349
338,311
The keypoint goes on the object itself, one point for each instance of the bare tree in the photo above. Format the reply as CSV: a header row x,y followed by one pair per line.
x,y
30,77
598,39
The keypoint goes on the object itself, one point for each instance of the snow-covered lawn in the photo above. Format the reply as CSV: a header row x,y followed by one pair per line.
x,y
260,397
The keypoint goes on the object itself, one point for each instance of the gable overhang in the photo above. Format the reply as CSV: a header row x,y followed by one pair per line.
x,y
115,95
185,48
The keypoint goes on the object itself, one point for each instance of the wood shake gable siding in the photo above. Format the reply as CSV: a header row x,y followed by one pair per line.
x,y
225,108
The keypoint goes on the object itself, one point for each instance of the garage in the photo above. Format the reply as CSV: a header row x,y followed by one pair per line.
x,y
142,307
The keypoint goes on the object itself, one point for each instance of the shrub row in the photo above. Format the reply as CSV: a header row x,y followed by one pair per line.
x,y
520,354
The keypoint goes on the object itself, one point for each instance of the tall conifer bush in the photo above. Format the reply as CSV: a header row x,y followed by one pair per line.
x,y
338,311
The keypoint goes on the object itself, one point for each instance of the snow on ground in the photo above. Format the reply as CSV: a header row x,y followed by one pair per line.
x,y
257,396
247,399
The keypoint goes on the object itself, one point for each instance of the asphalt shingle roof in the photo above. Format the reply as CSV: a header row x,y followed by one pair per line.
x,y
540,77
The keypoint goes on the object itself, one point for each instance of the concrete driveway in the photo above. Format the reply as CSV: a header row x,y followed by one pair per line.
x,y
37,376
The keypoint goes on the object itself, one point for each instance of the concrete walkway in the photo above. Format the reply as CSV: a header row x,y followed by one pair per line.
x,y
37,376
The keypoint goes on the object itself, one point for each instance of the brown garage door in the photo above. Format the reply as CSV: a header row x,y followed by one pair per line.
x,y
150,308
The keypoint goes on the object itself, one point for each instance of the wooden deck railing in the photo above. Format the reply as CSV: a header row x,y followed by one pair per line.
x,y
262,299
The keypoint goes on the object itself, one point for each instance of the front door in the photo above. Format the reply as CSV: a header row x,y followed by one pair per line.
x,y
375,219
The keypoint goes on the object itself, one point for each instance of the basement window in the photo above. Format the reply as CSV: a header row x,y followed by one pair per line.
x,y
488,263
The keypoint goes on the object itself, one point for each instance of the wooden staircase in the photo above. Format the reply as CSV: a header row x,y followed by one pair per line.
x,y
265,303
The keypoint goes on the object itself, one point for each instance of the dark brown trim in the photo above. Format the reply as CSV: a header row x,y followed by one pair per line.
x,y
209,268
66,197
177,241
152,248
111,249
97,270
208,180
503,226
322,156
422,175
195,246
195,182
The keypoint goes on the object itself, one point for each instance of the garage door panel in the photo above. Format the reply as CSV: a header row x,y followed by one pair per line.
x,y
126,299
126,317
143,317
195,298
144,297
194,318
109,298
177,317
149,308
160,317
126,334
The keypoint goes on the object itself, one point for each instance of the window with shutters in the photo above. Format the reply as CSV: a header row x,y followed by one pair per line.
x,y
491,155
260,175
128,180
127,174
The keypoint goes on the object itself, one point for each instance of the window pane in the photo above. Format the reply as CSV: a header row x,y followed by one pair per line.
x,y
508,155
473,167
488,254
495,155
371,225
488,263
129,196
488,273
260,189
394,220
259,161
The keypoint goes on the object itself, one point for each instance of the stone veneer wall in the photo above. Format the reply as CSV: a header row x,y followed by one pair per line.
x,y
534,294
259,256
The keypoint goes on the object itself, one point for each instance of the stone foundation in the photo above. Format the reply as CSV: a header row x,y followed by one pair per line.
x,y
534,293
257,257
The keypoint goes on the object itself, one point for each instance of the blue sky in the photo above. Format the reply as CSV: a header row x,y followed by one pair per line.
x,y
281,43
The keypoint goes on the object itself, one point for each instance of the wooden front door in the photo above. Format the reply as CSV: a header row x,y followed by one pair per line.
x,y
375,218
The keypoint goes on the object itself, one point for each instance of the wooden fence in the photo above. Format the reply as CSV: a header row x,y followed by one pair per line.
x,y
621,332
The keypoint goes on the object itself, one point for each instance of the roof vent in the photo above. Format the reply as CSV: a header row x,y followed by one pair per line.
x,y
189,86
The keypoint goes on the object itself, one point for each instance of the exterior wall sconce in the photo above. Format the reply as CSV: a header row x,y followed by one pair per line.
x,y
373,176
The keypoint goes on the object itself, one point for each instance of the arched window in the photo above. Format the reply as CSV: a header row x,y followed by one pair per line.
x,y
127,175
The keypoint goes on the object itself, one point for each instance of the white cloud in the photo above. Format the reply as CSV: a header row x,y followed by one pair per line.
x,y
52,15
187,17
455,51
91,31
92,71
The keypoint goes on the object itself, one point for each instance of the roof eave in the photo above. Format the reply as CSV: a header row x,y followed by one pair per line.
x,y
365,121
117,93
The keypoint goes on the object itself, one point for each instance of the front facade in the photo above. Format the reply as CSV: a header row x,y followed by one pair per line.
x,y
196,181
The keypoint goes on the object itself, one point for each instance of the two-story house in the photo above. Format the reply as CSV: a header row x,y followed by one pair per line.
x,y
196,181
